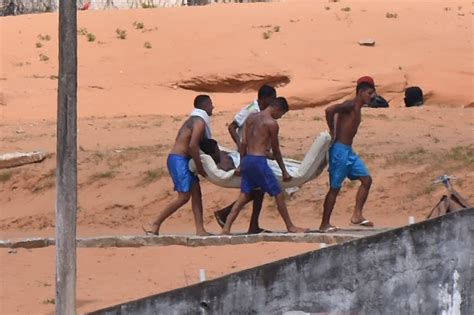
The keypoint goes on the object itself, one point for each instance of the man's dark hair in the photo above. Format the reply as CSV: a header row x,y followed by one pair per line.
x,y
280,103
266,91
361,87
208,146
413,96
200,100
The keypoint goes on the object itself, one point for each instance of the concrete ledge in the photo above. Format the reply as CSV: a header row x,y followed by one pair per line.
x,y
14,159
193,241
423,268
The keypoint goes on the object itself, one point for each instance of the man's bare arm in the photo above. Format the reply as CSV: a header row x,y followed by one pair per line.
x,y
243,144
233,133
274,129
331,112
196,136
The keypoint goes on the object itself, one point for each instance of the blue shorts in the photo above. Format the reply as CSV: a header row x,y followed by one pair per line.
x,y
257,174
183,178
344,162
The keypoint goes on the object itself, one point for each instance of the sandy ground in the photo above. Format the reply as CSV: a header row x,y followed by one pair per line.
x,y
133,99
145,271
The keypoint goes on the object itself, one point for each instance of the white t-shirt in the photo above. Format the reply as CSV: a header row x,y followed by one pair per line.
x,y
242,116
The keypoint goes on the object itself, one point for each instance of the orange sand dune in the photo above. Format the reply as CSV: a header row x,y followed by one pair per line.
x,y
132,100
317,48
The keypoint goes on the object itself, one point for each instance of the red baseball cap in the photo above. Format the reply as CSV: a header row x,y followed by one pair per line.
x,y
366,79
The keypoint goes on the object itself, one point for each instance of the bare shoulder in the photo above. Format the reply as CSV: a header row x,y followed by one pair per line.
x,y
349,104
271,123
191,123
196,121
345,106
252,117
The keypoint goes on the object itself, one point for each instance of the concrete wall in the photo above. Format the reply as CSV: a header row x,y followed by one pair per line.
x,y
426,268
15,7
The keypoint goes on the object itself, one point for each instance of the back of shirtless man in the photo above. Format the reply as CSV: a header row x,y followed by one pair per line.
x,y
261,130
186,183
343,121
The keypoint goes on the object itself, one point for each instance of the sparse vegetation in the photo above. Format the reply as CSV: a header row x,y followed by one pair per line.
x,y
148,5
43,57
346,9
122,34
390,15
53,77
447,9
44,37
462,154
90,37
138,25
267,34
82,31
150,29
447,161
45,182
39,45
327,8
49,301
147,45
102,175
152,175
97,156
5,176
44,284
412,156
276,28
317,118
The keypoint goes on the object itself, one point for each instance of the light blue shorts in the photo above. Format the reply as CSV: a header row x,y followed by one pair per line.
x,y
344,162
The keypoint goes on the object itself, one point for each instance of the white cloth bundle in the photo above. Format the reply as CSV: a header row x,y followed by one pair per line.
x,y
309,168
202,113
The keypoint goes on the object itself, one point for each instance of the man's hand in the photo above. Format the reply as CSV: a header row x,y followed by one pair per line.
x,y
202,172
286,177
237,171
269,155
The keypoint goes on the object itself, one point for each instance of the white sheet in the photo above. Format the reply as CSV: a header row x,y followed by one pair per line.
x,y
309,168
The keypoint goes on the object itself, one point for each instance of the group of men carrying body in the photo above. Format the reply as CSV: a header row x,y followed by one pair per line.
x,y
255,132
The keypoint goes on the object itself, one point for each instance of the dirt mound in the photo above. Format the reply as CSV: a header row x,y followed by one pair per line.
x,y
240,82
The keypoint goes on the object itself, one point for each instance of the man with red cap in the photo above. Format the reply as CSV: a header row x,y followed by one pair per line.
x,y
343,121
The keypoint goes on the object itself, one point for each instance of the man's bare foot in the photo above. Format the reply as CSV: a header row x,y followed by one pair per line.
x,y
225,232
295,229
152,229
327,228
203,233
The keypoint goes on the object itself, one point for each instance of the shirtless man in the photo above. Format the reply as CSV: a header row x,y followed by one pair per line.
x,y
185,182
343,121
261,131
265,95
